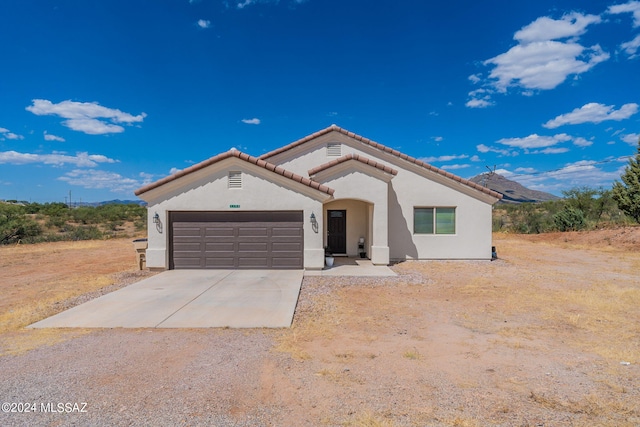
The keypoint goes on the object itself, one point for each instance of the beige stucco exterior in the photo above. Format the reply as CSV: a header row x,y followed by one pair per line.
x,y
207,190
379,196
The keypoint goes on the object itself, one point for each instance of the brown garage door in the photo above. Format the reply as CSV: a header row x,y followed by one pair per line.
x,y
266,239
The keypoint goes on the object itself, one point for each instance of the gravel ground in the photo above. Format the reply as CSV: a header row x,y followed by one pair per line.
x,y
140,378
442,344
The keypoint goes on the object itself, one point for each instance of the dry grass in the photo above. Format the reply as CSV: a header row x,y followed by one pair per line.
x,y
318,323
34,310
41,278
412,355
367,419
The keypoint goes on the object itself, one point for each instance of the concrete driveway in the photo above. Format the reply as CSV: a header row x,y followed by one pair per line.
x,y
192,299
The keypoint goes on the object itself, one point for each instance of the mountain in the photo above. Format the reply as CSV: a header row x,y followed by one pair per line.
x,y
511,191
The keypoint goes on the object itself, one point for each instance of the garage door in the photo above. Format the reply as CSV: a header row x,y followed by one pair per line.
x,y
266,239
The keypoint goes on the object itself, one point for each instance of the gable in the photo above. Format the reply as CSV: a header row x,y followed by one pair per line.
x,y
219,167
310,152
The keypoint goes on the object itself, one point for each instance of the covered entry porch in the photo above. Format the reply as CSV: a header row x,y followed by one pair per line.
x,y
356,229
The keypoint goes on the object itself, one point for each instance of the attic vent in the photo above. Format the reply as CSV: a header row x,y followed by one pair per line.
x,y
235,179
334,150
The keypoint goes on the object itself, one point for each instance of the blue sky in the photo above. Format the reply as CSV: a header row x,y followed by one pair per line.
x,y
99,98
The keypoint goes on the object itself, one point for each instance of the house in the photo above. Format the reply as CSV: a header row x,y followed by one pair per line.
x,y
330,189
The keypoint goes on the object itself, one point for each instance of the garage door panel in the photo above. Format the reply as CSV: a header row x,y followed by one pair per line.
x,y
286,262
219,231
286,247
272,239
187,247
253,232
184,262
182,231
286,231
253,262
219,247
222,262
253,246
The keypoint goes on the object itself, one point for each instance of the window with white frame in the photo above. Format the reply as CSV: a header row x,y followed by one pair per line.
x,y
235,179
437,220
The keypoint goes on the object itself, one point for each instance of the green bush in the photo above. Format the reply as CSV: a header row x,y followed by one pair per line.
x,y
15,226
569,219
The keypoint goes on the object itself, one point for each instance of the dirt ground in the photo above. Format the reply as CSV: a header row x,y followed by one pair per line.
x,y
547,335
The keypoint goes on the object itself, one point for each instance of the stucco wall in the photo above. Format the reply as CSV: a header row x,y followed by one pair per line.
x,y
413,186
472,239
261,190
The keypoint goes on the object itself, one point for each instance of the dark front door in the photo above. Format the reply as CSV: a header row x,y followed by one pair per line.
x,y
337,231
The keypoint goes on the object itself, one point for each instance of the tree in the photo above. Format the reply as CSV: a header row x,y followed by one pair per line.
x,y
627,193
14,226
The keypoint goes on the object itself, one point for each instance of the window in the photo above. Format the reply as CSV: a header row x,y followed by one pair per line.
x,y
235,180
434,220
334,149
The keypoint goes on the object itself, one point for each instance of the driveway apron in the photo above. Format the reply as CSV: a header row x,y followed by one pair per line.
x,y
192,299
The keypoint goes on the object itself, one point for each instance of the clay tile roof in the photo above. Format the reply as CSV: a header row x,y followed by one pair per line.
x,y
243,156
355,157
396,153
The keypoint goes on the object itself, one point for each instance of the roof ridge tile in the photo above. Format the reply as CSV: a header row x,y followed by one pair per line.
x,y
242,156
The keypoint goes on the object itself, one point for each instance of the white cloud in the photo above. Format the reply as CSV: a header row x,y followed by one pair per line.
x,y
7,134
550,150
245,3
581,173
486,149
593,113
454,167
92,126
631,47
475,78
475,158
478,103
49,137
526,170
632,7
545,28
443,158
542,64
55,159
96,179
546,55
253,121
582,142
174,170
88,117
631,138
203,23
437,138
535,141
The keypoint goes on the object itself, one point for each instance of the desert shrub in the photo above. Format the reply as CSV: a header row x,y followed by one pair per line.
x,y
569,219
529,218
140,225
86,233
15,225
54,209
55,222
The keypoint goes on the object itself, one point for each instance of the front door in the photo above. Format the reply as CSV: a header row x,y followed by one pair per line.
x,y
337,231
